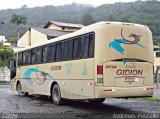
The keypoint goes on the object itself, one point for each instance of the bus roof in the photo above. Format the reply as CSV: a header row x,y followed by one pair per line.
x,y
86,29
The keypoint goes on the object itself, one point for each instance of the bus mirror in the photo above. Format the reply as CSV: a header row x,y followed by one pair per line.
x,y
12,67
12,64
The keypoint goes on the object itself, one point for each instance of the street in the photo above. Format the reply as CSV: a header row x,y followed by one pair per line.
x,y
34,106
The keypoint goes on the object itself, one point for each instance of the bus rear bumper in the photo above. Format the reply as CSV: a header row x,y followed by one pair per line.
x,y
109,92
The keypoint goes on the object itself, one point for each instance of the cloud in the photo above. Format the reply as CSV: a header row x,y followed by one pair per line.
x,y
5,4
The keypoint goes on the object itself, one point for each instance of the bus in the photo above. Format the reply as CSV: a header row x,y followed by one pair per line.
x,y
102,60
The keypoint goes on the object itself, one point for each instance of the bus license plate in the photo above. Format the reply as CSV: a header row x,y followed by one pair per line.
x,y
130,80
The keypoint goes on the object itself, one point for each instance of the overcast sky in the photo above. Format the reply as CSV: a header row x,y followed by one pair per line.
x,y
5,4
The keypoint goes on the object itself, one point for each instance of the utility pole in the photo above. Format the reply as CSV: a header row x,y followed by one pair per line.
x,y
2,23
158,76
4,57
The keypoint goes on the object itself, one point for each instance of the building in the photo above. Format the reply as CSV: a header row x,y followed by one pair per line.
x,y
2,39
36,35
63,26
49,31
156,58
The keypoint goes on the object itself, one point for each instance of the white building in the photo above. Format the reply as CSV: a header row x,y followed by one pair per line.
x,y
2,39
156,58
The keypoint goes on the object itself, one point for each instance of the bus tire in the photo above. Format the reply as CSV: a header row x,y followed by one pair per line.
x,y
101,100
19,90
56,95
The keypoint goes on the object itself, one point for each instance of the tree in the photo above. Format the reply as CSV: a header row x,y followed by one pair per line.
x,y
11,40
24,6
5,53
88,19
18,19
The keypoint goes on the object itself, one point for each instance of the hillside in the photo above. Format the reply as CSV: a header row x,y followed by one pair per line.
x,y
143,12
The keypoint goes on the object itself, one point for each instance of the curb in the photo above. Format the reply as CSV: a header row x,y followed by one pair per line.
x,y
4,83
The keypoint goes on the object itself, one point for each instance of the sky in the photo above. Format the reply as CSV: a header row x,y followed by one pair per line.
x,y
5,4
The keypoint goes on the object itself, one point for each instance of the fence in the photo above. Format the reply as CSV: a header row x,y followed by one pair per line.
x,y
4,74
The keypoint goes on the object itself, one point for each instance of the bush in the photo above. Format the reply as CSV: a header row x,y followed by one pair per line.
x,y
1,62
5,52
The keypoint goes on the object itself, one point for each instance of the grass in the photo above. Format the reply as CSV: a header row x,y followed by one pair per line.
x,y
152,99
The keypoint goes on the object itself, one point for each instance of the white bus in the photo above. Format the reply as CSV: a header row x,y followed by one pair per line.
x,y
102,60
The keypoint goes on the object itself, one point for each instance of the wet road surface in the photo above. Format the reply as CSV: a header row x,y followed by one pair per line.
x,y
33,106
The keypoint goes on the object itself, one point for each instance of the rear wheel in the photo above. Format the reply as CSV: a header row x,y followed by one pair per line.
x,y
96,100
56,95
19,90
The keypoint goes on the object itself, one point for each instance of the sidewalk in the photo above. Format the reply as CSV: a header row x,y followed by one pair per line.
x,y
156,93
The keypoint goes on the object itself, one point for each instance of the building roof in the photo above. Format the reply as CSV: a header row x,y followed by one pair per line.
x,y
51,33
64,24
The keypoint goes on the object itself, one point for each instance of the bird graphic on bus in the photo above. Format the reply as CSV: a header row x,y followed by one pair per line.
x,y
116,44
84,70
29,71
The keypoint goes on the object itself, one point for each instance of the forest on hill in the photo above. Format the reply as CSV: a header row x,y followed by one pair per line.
x,y
142,12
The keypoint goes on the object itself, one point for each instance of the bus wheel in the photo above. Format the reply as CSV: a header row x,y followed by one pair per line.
x,y
96,100
56,95
19,90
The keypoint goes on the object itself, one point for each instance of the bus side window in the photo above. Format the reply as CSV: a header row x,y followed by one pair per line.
x,y
44,54
51,50
77,48
33,56
23,58
19,58
12,65
85,46
59,51
68,48
28,57
38,55
91,45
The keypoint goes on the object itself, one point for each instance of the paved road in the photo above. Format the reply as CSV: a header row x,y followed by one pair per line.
x,y
13,106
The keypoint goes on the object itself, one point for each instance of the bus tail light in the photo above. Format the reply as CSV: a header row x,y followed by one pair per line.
x,y
99,74
148,89
109,90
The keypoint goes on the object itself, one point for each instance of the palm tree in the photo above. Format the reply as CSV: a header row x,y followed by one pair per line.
x,y
18,19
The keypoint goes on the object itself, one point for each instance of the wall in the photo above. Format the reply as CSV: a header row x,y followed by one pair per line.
x,y
53,26
4,74
31,37
71,29
156,63
37,37
23,41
